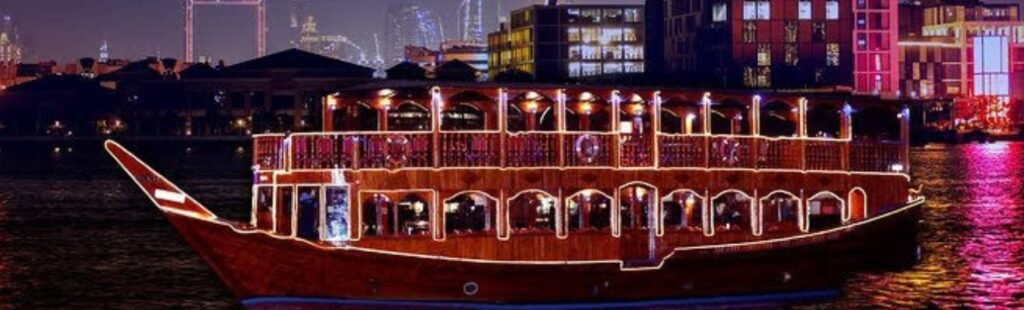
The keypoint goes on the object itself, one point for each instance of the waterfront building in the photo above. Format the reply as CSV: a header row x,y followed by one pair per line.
x,y
570,42
966,51
473,54
781,44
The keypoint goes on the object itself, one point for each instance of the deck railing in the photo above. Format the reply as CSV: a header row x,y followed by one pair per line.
x,y
396,150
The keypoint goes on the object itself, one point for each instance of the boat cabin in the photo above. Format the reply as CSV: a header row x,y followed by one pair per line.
x,y
569,173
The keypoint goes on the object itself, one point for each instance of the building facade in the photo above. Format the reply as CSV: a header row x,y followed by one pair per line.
x,y
965,51
568,42
781,44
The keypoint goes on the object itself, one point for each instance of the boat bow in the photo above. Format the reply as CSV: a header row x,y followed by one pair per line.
x,y
164,194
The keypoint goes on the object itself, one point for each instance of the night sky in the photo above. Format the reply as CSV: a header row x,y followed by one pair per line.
x,y
65,30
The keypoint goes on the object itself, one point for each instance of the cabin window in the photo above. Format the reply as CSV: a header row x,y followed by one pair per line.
x,y
824,211
731,212
337,228
376,211
285,199
308,213
684,211
532,211
409,116
263,213
469,213
589,210
463,116
413,216
635,206
780,213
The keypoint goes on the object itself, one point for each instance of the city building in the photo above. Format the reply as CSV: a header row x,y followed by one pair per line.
x,y
968,51
10,47
780,44
471,53
566,42
334,46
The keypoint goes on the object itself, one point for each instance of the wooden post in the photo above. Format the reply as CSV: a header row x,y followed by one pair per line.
x,y
905,139
705,108
617,146
503,128
656,130
846,134
755,128
436,106
560,126
802,110
330,104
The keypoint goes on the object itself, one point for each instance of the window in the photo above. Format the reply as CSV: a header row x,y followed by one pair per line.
x,y
532,211
683,211
732,211
469,213
756,10
264,208
832,55
308,213
591,15
832,10
613,68
413,216
633,52
634,67
634,206
337,228
764,55
719,12
590,210
591,35
804,10
791,32
633,16
792,59
749,32
629,35
818,33
574,34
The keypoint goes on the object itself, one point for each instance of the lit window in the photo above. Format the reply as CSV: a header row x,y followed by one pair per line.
x,y
719,12
791,55
804,10
832,55
791,32
764,55
756,10
749,32
633,16
574,34
832,10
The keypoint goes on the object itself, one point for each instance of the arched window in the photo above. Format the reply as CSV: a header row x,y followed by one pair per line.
x,y
376,214
463,116
532,211
729,117
409,116
589,210
587,112
877,122
732,211
636,206
681,116
413,216
683,210
308,213
780,212
825,210
779,119
469,213
823,121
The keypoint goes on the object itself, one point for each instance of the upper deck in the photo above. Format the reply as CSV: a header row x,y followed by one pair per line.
x,y
416,126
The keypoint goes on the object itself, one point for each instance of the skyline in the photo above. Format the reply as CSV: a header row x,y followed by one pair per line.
x,y
65,31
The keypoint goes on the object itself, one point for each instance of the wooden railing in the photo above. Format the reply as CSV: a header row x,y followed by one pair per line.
x,y
397,150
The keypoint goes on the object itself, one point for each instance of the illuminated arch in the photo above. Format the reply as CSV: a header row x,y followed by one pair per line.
x,y
855,193
591,192
799,209
752,208
703,206
508,206
653,204
843,207
492,211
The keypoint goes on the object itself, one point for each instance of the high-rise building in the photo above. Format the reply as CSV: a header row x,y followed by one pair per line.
x,y
563,42
875,50
759,43
470,21
10,48
409,23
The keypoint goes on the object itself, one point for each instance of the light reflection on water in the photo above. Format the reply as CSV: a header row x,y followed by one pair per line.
x,y
87,239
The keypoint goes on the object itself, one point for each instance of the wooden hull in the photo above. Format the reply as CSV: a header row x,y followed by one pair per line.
x,y
261,268
255,264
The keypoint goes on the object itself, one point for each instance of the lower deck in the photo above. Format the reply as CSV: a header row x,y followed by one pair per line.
x,y
636,216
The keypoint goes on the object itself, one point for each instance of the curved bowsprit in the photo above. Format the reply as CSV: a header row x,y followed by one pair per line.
x,y
164,194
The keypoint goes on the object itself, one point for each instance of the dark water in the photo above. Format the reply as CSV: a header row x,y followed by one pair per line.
x,y
76,233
